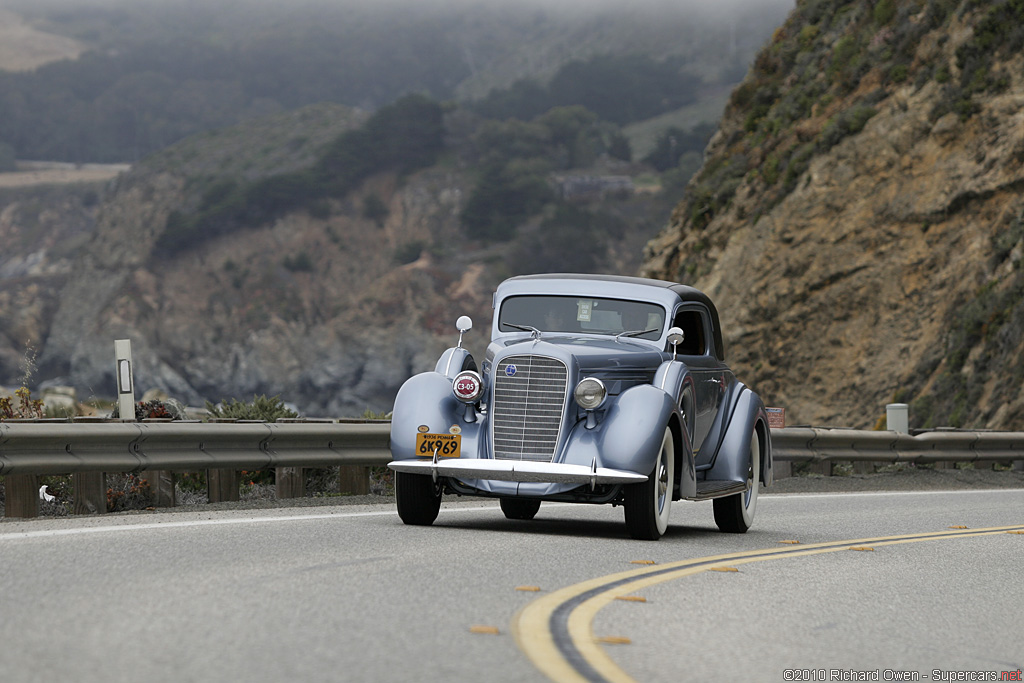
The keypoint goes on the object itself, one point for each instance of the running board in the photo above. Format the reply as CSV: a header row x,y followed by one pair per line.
x,y
716,488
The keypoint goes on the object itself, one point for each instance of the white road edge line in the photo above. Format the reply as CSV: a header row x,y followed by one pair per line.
x,y
128,526
767,495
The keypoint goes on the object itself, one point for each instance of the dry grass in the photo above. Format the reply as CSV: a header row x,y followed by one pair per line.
x,y
23,48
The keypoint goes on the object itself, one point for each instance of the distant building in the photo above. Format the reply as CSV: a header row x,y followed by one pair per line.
x,y
589,188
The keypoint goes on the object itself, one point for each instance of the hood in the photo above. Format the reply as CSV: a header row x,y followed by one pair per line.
x,y
600,356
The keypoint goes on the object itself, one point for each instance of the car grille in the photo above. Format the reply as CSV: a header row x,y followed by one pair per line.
x,y
527,410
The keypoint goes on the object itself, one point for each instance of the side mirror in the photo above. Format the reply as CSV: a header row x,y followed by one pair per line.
x,y
675,338
464,324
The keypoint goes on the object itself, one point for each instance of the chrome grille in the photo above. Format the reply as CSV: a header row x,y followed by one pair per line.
x,y
527,410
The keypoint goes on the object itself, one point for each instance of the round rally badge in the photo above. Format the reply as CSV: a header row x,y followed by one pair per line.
x,y
455,429
423,429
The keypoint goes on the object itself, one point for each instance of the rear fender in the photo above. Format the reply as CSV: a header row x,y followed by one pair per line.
x,y
731,463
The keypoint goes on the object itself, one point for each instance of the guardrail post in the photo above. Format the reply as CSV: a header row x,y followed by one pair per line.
x,y
290,482
222,486
161,484
90,493
354,480
782,469
21,495
823,468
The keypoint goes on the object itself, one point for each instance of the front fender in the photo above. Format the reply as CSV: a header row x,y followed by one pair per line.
x,y
633,428
426,400
453,361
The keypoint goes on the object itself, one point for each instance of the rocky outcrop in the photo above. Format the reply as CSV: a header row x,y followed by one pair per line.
x,y
882,266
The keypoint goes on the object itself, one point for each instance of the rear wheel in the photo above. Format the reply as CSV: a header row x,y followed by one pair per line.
x,y
648,504
519,508
418,497
734,514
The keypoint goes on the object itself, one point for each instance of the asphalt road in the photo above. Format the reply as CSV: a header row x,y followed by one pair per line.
x,y
348,593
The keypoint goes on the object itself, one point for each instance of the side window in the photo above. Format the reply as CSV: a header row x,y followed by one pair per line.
x,y
694,339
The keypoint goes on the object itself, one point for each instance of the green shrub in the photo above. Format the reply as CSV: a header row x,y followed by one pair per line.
x,y
849,122
898,73
505,197
260,408
884,12
673,143
807,36
374,209
298,263
408,252
770,170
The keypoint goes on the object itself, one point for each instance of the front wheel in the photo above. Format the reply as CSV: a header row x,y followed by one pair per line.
x,y
648,504
519,508
419,499
734,514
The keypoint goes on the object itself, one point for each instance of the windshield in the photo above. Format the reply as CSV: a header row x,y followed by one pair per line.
x,y
574,315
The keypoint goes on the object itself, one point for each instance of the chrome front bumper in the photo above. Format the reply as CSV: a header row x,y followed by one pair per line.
x,y
516,470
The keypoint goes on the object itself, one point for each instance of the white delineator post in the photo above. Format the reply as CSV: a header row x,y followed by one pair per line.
x,y
161,482
125,383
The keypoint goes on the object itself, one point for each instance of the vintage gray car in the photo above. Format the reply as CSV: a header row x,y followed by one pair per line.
x,y
593,389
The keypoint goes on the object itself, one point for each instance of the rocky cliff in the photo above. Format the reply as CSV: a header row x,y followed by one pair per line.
x,y
859,217
310,307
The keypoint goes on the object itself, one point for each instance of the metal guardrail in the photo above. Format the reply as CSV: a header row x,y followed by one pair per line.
x,y
811,444
29,449
66,448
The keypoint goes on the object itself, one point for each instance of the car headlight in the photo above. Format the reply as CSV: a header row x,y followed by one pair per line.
x,y
590,393
467,386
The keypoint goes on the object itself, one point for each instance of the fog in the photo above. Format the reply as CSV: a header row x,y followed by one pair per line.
x,y
701,9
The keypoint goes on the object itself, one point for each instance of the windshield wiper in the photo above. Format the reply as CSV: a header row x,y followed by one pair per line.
x,y
526,328
633,333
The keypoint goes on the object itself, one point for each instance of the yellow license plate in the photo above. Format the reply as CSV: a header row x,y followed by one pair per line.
x,y
446,445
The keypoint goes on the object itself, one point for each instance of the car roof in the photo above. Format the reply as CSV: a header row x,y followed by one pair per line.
x,y
685,293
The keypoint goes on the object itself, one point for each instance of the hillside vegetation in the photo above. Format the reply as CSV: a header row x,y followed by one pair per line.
x,y
859,216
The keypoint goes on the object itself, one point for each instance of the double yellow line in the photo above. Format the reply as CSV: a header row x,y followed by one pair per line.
x,y
556,631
